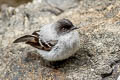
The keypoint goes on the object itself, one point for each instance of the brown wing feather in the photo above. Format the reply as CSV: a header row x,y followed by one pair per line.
x,y
45,46
25,38
33,40
35,33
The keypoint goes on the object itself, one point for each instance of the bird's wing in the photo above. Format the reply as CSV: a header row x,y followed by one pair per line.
x,y
34,41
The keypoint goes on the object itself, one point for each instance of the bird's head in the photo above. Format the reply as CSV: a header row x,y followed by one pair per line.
x,y
64,26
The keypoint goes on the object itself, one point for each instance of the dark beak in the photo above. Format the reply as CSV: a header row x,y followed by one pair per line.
x,y
73,28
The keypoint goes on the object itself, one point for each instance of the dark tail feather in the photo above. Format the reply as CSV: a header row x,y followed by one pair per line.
x,y
26,38
30,40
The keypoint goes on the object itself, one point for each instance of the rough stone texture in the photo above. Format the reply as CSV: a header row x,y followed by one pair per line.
x,y
14,2
97,59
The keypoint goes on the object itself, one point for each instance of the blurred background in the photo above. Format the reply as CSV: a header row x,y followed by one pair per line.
x,y
14,3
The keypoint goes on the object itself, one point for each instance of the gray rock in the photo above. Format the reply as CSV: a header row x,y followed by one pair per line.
x,y
97,59
63,4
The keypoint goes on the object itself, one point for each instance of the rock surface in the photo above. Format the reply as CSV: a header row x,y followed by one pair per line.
x,y
14,2
97,59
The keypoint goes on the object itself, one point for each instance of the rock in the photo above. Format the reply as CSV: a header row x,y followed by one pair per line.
x,y
63,4
14,2
97,59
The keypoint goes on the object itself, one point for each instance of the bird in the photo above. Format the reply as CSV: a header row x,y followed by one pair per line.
x,y
56,41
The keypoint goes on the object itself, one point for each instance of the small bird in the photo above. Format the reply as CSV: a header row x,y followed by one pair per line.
x,y
56,41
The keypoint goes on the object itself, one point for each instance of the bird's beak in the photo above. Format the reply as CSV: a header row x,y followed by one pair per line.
x,y
74,28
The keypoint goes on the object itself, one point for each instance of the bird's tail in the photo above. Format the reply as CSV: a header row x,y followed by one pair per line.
x,y
26,38
29,39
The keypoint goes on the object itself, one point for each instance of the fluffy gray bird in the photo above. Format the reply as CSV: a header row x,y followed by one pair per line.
x,y
56,41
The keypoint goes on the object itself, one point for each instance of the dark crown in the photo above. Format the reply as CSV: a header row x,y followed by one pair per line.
x,y
65,23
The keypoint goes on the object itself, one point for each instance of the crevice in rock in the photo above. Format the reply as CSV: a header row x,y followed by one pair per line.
x,y
106,74
111,73
54,10
114,63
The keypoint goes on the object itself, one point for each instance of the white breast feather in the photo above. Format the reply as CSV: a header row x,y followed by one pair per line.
x,y
67,45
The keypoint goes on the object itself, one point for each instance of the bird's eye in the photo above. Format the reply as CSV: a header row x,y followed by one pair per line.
x,y
63,28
